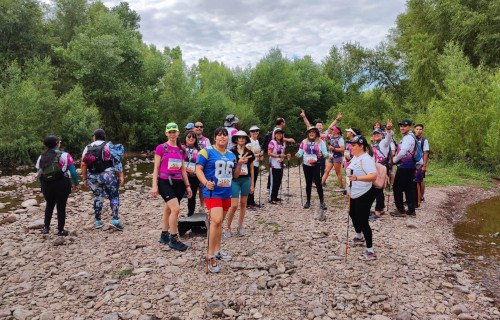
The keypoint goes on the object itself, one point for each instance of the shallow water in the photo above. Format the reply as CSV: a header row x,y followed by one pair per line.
x,y
479,238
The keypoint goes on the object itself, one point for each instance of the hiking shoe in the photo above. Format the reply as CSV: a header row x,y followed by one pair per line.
x,y
164,237
307,205
98,224
63,233
398,213
358,242
227,233
368,256
322,206
45,230
115,223
240,231
175,244
212,265
222,255
411,214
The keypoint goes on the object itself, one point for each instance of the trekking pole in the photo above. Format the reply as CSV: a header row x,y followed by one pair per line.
x,y
260,186
207,224
300,186
348,209
288,176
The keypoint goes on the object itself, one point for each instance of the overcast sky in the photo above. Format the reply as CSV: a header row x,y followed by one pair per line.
x,y
239,33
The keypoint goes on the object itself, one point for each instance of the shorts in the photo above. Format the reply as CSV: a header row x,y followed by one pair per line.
x,y
419,175
218,203
240,185
336,160
169,192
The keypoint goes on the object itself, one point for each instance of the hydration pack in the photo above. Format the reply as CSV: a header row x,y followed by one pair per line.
x,y
52,171
94,158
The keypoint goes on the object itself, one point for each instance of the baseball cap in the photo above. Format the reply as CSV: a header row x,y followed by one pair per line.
x,y
171,126
189,126
405,122
378,130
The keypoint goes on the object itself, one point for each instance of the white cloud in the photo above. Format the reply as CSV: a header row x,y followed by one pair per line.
x,y
239,32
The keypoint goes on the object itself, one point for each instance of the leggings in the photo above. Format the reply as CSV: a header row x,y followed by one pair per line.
x,y
312,173
379,199
56,194
359,211
275,183
104,185
251,197
195,183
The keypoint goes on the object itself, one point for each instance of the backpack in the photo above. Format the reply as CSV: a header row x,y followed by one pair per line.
x,y
381,180
94,158
267,138
379,156
52,171
418,153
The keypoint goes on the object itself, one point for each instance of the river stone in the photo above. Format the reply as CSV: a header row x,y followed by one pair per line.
x,y
37,224
47,315
196,313
216,307
229,312
22,314
403,315
29,203
9,219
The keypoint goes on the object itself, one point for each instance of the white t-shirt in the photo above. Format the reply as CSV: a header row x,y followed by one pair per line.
x,y
361,166
254,146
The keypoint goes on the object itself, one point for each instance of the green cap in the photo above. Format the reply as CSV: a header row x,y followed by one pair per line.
x,y
171,126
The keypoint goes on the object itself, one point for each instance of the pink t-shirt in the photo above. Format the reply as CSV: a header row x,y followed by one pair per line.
x,y
171,161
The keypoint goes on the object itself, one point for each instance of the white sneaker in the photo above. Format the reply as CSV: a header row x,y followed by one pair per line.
x,y
240,231
212,264
222,255
226,233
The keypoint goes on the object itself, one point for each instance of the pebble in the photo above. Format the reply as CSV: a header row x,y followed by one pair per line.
x,y
229,312
29,203
22,314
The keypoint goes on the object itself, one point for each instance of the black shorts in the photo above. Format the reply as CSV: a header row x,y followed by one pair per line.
x,y
169,192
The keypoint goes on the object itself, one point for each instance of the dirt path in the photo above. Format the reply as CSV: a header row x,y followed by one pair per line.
x,y
289,266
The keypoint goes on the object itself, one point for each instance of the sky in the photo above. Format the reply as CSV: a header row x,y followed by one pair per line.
x,y
239,33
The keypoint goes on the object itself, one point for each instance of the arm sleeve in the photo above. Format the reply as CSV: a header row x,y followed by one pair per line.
x,y
74,176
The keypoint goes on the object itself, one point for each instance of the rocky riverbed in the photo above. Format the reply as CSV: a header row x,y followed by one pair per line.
x,y
289,266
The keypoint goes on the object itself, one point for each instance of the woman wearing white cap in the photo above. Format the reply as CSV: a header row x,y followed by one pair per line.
x,y
243,185
230,123
254,146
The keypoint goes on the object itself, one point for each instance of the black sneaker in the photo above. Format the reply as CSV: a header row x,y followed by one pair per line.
x,y
45,230
175,244
63,233
398,213
165,237
307,205
411,214
322,206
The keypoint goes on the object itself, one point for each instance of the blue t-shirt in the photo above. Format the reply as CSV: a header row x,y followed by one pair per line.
x,y
218,168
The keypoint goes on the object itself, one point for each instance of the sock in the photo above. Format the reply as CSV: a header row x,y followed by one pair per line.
x,y
359,235
370,250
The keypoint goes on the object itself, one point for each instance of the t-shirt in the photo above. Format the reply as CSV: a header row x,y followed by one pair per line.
x,y
231,131
254,146
190,159
275,147
337,142
171,161
218,167
361,166
312,151
203,142
65,160
245,167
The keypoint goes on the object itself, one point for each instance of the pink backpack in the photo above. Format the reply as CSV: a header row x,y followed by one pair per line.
x,y
381,181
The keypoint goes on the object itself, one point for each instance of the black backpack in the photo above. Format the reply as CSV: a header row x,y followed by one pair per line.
x,y
267,138
52,171
94,159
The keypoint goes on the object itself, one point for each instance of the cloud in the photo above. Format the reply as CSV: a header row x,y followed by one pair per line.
x,y
239,33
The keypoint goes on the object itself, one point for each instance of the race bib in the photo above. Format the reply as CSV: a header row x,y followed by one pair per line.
x,y
244,169
191,167
224,173
310,158
174,164
225,180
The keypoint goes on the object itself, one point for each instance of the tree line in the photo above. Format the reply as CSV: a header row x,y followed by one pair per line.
x,y
74,65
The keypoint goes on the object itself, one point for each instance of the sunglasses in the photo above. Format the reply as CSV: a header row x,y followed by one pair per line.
x,y
199,127
190,137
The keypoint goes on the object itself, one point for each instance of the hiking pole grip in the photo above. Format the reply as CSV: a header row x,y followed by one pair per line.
x,y
348,209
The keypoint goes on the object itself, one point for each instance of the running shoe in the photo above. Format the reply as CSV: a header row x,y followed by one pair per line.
x,y
397,213
115,223
45,230
226,233
358,242
165,237
222,255
368,256
240,231
63,233
411,214
98,224
322,206
175,244
212,265
422,199
307,205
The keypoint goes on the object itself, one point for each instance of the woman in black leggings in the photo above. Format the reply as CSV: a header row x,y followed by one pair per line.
x,y
53,166
190,147
312,149
361,173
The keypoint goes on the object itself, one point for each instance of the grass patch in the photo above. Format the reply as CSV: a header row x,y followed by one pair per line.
x,y
457,174
127,272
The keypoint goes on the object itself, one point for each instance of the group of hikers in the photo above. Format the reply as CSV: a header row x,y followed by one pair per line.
x,y
223,172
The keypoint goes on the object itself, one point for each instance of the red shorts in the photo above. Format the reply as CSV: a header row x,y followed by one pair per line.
x,y
218,203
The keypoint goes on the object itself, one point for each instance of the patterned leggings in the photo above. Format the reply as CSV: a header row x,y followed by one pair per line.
x,y
104,184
